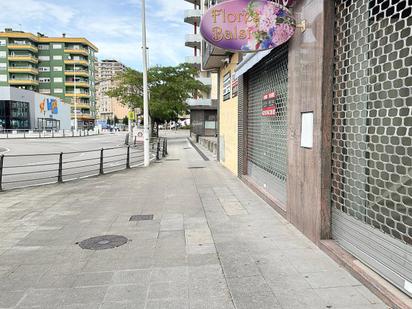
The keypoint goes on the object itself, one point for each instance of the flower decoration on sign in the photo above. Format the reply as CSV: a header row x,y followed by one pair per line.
x,y
248,25
270,25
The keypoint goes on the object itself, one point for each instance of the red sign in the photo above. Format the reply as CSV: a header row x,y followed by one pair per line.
x,y
269,104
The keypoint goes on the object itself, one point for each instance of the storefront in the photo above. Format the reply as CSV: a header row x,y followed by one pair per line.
x,y
371,136
28,110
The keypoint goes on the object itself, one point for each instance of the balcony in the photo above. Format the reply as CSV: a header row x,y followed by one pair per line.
x,y
29,47
212,56
207,81
77,95
197,2
193,40
24,58
23,82
81,105
28,70
77,84
195,60
77,62
77,51
81,73
83,116
199,102
193,16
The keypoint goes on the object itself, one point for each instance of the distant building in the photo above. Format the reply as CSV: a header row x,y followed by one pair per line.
x,y
107,107
22,109
203,107
62,67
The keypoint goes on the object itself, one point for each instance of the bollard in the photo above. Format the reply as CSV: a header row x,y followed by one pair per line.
x,y
158,150
101,162
1,171
128,158
60,175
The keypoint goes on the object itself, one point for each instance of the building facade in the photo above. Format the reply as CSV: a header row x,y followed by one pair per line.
x,y
60,66
108,108
333,156
22,109
203,106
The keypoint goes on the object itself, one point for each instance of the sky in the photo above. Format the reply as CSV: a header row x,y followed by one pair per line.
x,y
114,26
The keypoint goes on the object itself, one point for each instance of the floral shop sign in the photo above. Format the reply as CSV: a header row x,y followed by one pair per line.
x,y
247,25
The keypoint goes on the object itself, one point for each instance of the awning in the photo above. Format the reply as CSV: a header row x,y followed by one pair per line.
x,y
250,61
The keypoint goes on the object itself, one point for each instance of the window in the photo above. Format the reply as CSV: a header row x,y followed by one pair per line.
x,y
57,46
44,58
3,66
57,57
44,80
44,47
58,80
3,54
57,69
2,42
44,69
44,91
3,78
58,90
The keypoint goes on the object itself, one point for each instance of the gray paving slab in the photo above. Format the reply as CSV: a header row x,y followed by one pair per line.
x,y
213,244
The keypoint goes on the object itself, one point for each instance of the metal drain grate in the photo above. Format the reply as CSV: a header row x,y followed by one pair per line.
x,y
141,218
195,167
103,242
172,159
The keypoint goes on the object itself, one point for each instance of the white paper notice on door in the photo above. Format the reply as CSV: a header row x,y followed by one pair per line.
x,y
306,140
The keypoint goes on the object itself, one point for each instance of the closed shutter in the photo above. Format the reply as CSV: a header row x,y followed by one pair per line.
x,y
371,158
267,135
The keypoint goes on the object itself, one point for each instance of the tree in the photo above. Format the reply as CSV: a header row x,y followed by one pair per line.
x,y
115,120
125,120
169,88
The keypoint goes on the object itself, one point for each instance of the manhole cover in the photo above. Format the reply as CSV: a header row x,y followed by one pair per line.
x,y
141,218
103,242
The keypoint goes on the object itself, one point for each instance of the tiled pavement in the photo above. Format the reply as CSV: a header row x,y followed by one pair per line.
x,y
212,244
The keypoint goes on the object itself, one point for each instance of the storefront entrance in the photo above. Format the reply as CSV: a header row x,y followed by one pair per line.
x,y
371,146
267,96
14,115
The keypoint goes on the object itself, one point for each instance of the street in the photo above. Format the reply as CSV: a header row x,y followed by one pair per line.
x,y
205,241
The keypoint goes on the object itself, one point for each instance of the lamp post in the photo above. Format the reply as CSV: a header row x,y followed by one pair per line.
x,y
145,90
75,101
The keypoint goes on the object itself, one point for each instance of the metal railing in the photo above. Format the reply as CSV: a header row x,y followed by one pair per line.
x,y
28,170
39,133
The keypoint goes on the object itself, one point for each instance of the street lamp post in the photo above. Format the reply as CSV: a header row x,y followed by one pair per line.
x,y
75,101
145,90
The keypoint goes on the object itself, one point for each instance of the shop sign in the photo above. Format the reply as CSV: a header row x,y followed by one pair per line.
x,y
227,86
269,104
235,85
49,105
247,25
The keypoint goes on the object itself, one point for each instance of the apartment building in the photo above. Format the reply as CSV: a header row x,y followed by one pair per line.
x,y
59,66
203,108
108,108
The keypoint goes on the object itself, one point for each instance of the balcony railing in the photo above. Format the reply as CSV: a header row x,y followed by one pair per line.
x,y
83,84
77,51
29,70
25,81
25,58
193,16
83,73
193,60
193,40
77,62
199,102
22,46
207,81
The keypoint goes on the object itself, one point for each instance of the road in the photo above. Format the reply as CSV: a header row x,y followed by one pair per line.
x,y
36,161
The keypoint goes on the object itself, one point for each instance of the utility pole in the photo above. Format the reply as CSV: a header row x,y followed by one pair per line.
x,y
146,134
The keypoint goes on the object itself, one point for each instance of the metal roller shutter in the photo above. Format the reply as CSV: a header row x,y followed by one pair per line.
x,y
267,136
371,158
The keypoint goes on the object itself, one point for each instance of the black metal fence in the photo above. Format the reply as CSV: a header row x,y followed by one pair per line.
x,y
19,171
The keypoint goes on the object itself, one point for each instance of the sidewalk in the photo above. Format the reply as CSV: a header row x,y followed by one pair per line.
x,y
212,244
